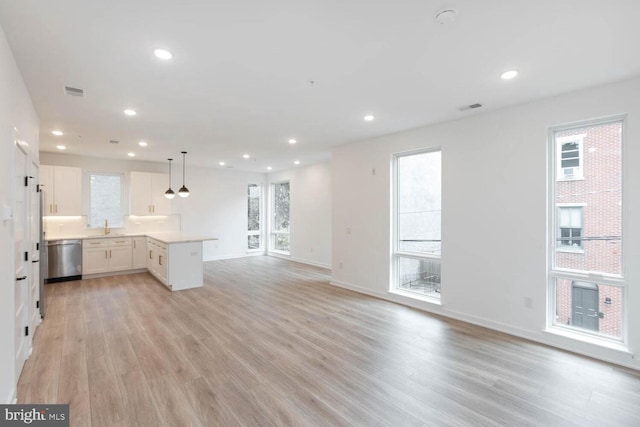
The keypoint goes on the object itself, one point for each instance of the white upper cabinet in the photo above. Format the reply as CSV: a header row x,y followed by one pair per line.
x,y
62,186
147,194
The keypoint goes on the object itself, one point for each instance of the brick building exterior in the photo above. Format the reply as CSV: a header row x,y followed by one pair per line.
x,y
589,217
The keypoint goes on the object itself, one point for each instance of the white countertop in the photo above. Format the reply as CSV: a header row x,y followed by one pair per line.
x,y
166,237
178,237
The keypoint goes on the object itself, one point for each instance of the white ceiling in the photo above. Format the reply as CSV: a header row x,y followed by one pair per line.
x,y
239,80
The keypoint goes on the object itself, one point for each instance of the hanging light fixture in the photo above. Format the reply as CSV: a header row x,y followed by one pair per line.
x,y
184,191
169,194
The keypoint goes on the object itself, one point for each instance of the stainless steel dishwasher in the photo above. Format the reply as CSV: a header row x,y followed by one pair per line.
x,y
64,260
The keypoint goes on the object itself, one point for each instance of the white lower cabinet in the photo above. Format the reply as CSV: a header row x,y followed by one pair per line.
x,y
139,252
157,259
106,255
177,265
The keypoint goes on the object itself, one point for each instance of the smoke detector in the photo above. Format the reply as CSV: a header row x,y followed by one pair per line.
x,y
446,16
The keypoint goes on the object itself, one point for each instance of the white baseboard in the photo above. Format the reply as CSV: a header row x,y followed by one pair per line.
x,y
309,262
617,357
113,273
221,257
13,399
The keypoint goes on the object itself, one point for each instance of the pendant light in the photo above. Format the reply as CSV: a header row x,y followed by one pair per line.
x,y
184,191
169,194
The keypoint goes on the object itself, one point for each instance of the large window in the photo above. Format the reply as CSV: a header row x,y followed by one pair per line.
x,y
280,222
587,286
254,220
417,205
105,200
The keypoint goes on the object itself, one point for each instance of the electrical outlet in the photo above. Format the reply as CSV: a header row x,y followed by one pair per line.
x,y
528,302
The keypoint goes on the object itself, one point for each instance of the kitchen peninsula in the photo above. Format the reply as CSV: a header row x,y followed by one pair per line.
x,y
173,258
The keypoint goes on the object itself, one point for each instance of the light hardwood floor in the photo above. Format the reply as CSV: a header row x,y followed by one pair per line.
x,y
268,342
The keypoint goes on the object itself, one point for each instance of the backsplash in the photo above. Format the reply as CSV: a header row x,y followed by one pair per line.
x,y
59,227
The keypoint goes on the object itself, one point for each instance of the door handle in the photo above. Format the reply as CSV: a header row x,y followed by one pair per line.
x,y
20,278
35,260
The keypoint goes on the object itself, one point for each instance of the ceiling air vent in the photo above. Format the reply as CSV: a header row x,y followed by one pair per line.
x,y
73,91
471,107
113,141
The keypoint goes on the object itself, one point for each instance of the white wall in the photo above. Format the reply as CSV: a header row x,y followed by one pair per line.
x,y
218,207
494,202
16,111
310,212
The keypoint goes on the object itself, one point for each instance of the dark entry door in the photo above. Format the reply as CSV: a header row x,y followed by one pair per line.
x,y
584,302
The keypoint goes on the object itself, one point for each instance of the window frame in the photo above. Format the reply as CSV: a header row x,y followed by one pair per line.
x,y
90,199
260,219
599,278
272,232
396,253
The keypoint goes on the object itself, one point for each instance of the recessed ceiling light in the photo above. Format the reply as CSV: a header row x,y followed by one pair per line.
x,y
508,75
163,54
61,147
57,132
129,112
222,163
292,141
142,144
297,162
368,118
131,154
245,156
269,168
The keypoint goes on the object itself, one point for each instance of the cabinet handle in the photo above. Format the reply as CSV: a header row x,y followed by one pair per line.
x,y
153,207
56,207
95,243
109,253
150,254
134,244
160,259
50,208
105,254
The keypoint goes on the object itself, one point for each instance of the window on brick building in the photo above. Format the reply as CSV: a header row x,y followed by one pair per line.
x,y
570,227
570,157
587,287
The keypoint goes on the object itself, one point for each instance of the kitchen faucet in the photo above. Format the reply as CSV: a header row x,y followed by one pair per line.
x,y
106,227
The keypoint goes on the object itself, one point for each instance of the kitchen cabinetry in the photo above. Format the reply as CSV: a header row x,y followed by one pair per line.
x,y
147,194
106,255
157,259
62,187
178,265
139,252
